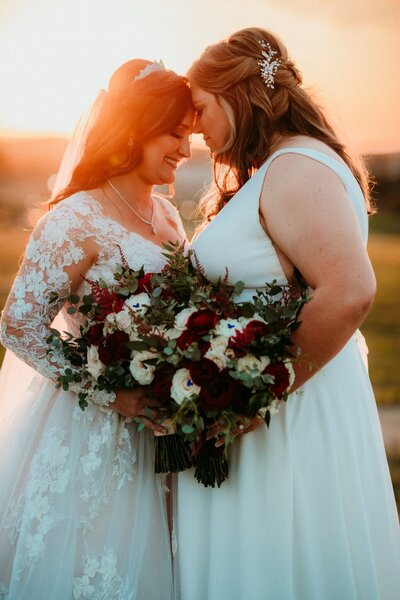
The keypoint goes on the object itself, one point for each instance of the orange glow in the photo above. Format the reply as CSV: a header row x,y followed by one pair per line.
x,y
56,54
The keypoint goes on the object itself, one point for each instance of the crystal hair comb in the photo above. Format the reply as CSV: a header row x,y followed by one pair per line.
x,y
269,65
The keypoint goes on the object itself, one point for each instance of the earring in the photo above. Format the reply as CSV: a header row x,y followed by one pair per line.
x,y
130,141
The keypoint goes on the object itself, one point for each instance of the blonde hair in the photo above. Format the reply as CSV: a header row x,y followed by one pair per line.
x,y
230,70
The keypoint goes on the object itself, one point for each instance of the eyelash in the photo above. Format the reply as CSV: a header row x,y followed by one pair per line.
x,y
177,136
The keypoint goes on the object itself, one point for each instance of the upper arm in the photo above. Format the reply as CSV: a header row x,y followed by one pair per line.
x,y
311,220
60,251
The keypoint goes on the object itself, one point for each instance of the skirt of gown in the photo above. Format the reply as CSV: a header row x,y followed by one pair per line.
x,y
81,513
308,511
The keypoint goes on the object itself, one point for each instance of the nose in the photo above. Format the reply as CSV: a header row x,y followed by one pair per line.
x,y
184,148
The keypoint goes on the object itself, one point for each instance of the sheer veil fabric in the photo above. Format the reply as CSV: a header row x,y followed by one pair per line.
x,y
76,144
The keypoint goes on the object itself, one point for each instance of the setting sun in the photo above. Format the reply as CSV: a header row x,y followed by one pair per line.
x,y
58,53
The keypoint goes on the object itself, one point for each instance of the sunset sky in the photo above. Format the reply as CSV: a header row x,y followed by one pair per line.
x,y
56,54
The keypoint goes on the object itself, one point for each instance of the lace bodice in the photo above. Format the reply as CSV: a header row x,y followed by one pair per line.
x,y
58,242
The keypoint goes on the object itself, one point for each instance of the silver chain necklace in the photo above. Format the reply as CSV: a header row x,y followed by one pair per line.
x,y
151,222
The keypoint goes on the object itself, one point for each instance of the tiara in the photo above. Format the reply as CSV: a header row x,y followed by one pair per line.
x,y
149,69
269,65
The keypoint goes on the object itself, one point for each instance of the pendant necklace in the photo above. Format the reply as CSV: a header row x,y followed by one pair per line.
x,y
151,222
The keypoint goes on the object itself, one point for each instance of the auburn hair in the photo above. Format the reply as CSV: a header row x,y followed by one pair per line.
x,y
132,112
230,69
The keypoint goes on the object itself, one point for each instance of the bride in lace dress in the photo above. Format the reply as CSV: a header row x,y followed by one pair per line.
x,y
82,514
308,511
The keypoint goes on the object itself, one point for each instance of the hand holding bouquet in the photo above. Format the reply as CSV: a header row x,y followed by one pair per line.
x,y
213,364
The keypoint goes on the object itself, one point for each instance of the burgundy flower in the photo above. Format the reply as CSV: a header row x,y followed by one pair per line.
x,y
220,393
202,321
161,384
242,340
281,375
203,372
109,302
185,339
198,325
114,348
144,283
94,334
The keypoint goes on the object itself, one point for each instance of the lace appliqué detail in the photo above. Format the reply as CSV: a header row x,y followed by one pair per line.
x,y
35,509
106,464
58,243
100,580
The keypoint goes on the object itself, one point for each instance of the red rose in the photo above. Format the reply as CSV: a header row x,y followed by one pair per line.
x,y
242,340
114,348
220,393
161,384
198,325
202,321
203,372
109,302
185,339
281,375
94,335
256,329
188,337
144,283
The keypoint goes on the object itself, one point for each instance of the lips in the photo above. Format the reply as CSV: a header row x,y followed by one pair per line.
x,y
171,162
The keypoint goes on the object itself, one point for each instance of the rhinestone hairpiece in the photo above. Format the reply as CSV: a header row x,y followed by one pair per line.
x,y
269,65
149,69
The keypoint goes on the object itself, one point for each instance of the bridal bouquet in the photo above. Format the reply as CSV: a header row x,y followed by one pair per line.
x,y
213,364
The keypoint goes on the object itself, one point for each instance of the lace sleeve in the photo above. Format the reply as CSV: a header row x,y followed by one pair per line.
x,y
55,258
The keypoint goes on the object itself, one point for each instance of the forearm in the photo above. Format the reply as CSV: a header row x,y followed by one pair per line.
x,y
326,326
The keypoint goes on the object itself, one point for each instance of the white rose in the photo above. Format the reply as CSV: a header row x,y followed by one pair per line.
x,y
183,387
110,324
181,318
138,303
94,364
251,362
142,372
228,327
124,321
218,352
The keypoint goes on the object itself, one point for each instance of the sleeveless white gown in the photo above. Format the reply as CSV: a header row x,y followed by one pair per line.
x,y
82,515
308,511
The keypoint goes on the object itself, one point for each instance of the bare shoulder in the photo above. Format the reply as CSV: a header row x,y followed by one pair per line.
x,y
300,175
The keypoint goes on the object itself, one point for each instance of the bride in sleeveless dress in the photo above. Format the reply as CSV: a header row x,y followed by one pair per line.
x,y
308,511
82,514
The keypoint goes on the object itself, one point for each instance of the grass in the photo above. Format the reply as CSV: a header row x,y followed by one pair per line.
x,y
382,327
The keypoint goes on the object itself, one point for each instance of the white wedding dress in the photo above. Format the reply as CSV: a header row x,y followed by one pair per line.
x,y
308,511
82,514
